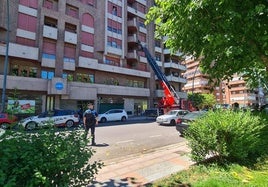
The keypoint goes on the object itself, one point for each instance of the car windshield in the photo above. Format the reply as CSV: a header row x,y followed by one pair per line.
x,y
172,112
193,115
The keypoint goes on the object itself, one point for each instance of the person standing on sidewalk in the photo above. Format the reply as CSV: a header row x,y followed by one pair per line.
x,y
90,122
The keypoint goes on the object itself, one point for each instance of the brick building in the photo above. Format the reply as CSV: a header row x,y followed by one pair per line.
x,y
65,53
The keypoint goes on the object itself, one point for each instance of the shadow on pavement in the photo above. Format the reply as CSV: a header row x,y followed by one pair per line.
x,y
124,182
101,145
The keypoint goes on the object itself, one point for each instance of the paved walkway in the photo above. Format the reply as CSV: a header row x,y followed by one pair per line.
x,y
139,170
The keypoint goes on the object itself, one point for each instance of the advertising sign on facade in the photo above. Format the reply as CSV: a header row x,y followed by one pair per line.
x,y
21,106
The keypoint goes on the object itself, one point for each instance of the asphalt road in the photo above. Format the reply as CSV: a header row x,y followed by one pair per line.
x,y
121,139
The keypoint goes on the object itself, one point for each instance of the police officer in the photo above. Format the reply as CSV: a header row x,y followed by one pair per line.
x,y
90,122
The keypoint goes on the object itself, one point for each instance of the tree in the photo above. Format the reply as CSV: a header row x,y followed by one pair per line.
x,y
202,100
230,36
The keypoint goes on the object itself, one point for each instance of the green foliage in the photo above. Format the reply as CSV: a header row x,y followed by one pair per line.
x,y
227,135
46,158
230,36
202,100
217,175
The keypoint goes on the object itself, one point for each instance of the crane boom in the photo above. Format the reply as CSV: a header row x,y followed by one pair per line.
x,y
171,97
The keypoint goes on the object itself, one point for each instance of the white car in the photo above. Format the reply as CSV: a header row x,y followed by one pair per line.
x,y
58,118
113,115
171,117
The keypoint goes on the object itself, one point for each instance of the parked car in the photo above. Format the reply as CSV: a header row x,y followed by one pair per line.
x,y
113,115
184,122
7,121
171,117
58,118
153,112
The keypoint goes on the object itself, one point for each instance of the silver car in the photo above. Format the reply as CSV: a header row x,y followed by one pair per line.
x,y
171,117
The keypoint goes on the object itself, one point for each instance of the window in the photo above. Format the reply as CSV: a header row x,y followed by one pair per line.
x,y
142,37
70,27
72,11
114,9
158,57
29,3
69,53
27,22
47,74
50,22
87,38
113,42
158,44
88,78
23,71
69,77
89,2
49,47
51,4
25,41
114,26
141,23
88,20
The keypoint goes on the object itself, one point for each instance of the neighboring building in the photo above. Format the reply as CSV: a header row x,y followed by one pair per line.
x,y
226,93
197,82
63,54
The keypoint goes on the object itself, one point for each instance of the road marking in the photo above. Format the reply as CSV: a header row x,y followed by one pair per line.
x,y
126,141
155,136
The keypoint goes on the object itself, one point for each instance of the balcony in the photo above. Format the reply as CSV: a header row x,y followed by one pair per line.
x,y
133,55
160,93
21,51
174,65
48,60
158,49
143,59
172,78
132,25
93,64
132,39
143,30
114,50
69,64
70,37
50,32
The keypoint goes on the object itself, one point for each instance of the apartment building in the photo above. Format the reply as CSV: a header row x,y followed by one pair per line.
x,y
234,91
65,53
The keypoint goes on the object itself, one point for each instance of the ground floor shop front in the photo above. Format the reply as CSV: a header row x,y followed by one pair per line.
x,y
26,96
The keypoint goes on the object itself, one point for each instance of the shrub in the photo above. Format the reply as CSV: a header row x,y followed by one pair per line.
x,y
46,158
226,135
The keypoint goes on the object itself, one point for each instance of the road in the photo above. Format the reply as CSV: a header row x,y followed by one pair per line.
x,y
121,139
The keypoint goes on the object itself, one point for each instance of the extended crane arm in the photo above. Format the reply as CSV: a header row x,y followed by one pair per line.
x,y
171,97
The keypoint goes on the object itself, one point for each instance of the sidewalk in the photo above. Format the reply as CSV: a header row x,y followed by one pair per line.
x,y
139,170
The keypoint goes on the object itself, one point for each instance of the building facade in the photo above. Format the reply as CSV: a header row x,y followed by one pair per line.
x,y
234,91
66,53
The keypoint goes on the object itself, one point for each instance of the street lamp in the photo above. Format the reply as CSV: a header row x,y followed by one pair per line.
x,y
6,60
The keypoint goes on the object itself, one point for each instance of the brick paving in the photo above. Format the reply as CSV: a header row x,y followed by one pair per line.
x,y
139,170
